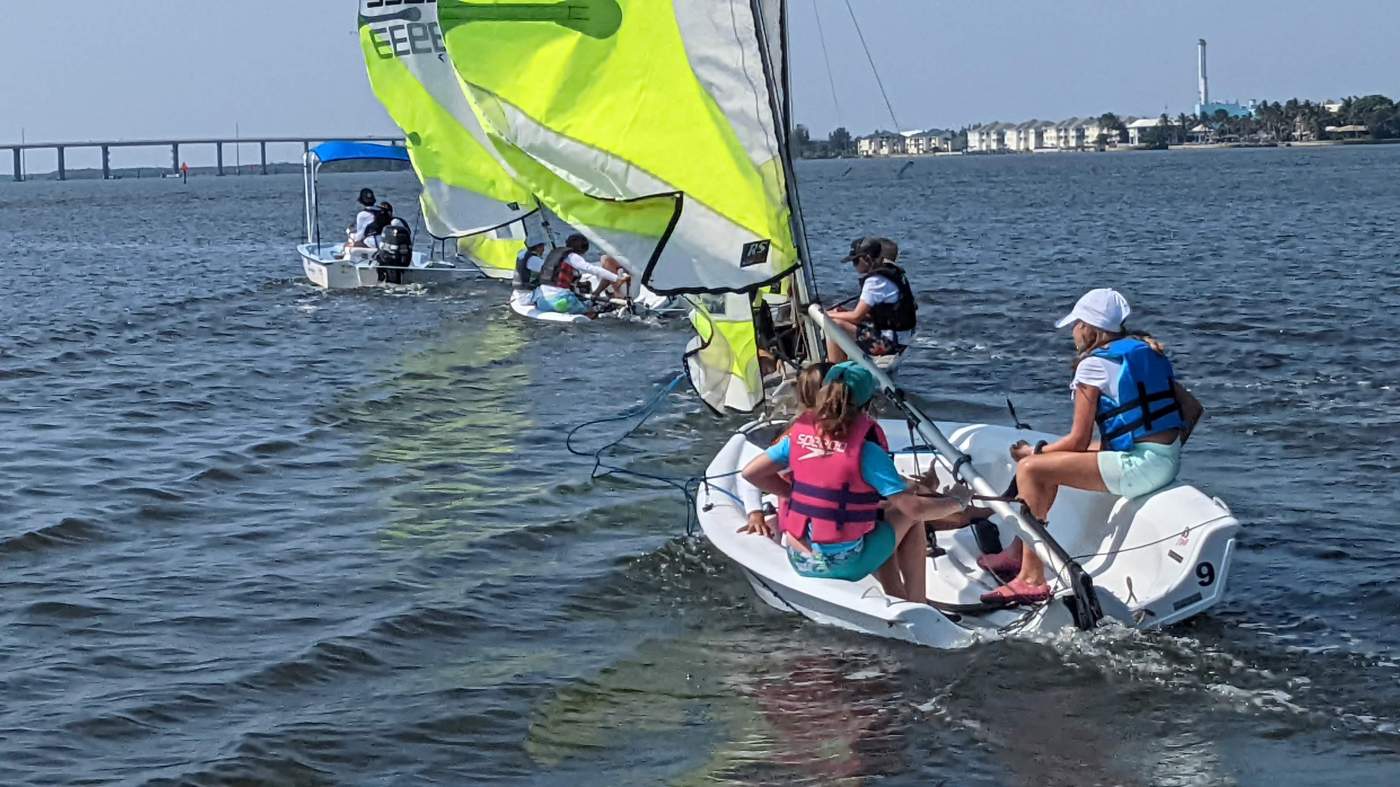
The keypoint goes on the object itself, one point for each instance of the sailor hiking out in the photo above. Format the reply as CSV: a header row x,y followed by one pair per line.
x,y
886,311
561,273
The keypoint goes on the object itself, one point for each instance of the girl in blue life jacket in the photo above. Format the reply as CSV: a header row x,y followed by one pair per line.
x,y
1124,385
846,511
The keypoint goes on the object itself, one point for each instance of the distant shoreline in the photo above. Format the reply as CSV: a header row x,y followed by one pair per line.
x,y
1323,143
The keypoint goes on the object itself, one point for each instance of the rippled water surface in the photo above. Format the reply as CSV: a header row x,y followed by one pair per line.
x,y
255,533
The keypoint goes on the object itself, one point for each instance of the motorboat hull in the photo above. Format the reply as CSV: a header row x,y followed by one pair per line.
x,y
325,269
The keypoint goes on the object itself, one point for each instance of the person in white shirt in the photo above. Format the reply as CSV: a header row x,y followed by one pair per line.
x,y
1123,384
885,312
562,270
369,222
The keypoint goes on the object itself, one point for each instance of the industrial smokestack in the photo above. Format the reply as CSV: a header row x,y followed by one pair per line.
x,y
1203,88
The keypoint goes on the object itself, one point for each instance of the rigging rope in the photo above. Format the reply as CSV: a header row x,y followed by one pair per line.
x,y
873,69
831,80
688,486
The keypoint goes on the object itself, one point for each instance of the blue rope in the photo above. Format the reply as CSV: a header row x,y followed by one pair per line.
x,y
642,412
689,486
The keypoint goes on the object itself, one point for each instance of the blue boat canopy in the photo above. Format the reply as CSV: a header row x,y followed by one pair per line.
x,y
349,151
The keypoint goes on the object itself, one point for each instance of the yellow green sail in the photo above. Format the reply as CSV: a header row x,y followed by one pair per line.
x,y
618,102
467,188
722,360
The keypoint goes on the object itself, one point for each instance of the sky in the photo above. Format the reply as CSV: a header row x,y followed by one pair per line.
x,y
122,69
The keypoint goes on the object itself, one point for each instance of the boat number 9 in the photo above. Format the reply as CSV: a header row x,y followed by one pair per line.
x,y
1205,572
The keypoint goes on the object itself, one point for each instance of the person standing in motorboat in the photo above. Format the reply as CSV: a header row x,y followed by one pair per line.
x,y
528,264
846,511
561,272
369,222
1124,384
886,312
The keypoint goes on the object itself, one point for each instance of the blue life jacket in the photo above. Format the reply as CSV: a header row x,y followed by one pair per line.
x,y
1146,401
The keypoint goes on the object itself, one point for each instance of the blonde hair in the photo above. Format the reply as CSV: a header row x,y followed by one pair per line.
x,y
1099,338
836,410
809,384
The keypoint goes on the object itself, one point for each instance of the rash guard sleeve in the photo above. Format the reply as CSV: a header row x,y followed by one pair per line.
x,y
878,470
584,266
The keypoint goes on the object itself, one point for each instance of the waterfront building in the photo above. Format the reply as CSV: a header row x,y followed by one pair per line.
x,y
1138,130
1024,137
925,143
1069,134
1351,131
881,143
987,138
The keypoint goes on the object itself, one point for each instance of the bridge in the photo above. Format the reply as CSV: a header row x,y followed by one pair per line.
x,y
61,148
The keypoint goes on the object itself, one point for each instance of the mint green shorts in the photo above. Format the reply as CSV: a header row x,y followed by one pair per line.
x,y
878,547
1141,470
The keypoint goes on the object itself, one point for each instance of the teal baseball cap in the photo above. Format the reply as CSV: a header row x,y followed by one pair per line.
x,y
856,377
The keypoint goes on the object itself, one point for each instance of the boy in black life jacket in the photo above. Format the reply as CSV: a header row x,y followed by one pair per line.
x,y
885,314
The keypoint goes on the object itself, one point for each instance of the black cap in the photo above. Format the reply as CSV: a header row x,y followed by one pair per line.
x,y
576,241
366,197
865,247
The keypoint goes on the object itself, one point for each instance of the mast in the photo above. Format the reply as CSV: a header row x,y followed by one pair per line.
x,y
804,284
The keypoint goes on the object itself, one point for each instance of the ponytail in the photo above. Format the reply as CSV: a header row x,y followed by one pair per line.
x,y
836,410
1148,338
809,384
1102,338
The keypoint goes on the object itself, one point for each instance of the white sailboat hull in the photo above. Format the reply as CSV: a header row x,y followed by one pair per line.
x,y
1155,560
525,307
325,269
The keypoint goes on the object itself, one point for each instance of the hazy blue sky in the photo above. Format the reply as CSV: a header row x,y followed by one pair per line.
x,y
89,69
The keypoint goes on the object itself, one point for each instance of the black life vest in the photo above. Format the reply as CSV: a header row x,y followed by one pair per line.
x,y
902,315
381,220
557,271
524,278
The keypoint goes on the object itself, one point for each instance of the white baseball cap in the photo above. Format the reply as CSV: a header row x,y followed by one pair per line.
x,y
1104,308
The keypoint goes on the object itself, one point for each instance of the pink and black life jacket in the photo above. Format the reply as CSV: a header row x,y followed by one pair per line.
x,y
831,502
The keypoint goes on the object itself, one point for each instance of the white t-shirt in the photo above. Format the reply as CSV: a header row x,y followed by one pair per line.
x,y
877,290
535,263
362,221
1099,373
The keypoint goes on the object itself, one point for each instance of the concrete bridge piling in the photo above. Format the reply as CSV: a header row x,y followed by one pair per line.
x,y
105,147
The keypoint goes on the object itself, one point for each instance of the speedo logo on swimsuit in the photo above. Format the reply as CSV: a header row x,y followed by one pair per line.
x,y
817,448
403,32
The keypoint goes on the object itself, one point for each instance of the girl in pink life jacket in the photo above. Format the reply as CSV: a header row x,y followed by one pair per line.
x,y
808,386
846,510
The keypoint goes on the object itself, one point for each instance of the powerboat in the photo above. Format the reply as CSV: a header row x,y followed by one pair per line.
x,y
326,264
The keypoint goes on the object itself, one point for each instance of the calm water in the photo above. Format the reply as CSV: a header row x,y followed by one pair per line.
x,y
257,533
